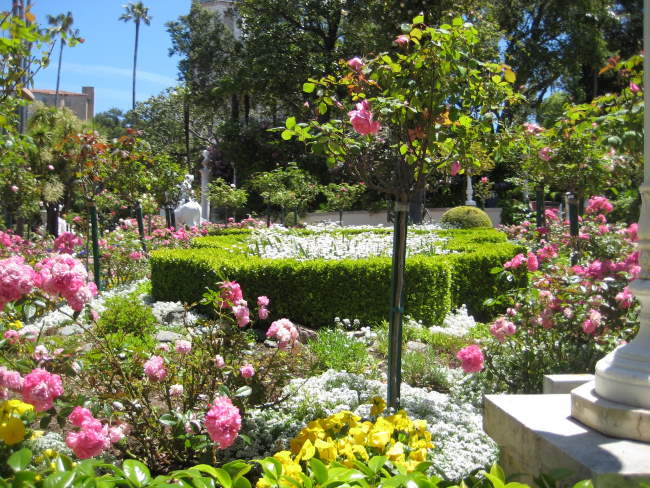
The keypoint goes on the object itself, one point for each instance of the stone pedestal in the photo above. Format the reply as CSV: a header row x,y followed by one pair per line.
x,y
536,435
564,383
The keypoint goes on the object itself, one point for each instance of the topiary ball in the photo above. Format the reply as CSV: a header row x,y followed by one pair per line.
x,y
466,217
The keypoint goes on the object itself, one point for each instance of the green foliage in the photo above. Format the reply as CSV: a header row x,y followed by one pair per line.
x,y
419,369
287,188
126,315
466,217
335,350
314,292
224,195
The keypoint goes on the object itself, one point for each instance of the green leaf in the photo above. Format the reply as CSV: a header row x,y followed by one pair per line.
x,y
242,483
376,463
403,149
223,477
318,468
418,19
63,463
290,123
287,134
136,472
59,480
244,391
585,484
168,419
457,22
496,470
465,121
308,87
496,482
510,76
322,108
20,460
271,468
496,79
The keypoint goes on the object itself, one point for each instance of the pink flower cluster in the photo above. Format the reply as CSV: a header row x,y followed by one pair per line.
x,y
590,325
624,298
247,371
231,293
154,368
545,153
41,388
362,119
67,242
16,279
599,205
262,311
471,358
242,313
93,437
9,381
531,129
284,332
183,346
356,63
64,276
223,422
501,328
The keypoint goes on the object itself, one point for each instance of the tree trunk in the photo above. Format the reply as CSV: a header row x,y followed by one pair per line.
x,y
135,57
58,77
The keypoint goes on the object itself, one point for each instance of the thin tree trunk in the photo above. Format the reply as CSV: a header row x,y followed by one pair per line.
x,y
135,57
58,77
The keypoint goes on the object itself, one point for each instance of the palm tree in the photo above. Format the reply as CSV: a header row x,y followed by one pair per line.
x,y
138,13
62,25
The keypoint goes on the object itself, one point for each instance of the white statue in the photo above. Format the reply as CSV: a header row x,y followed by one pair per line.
x,y
189,213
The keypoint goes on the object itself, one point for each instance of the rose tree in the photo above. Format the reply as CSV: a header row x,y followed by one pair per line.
x,y
409,112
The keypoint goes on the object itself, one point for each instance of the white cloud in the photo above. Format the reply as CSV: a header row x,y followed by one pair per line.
x,y
155,78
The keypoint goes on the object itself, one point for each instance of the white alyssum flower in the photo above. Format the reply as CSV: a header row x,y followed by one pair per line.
x,y
278,243
461,443
457,323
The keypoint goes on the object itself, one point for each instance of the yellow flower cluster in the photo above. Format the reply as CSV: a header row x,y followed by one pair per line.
x,y
344,437
12,428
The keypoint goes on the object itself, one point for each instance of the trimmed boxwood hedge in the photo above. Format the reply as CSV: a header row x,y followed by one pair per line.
x,y
314,292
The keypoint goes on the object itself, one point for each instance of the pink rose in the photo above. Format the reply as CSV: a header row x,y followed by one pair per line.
x,y
402,40
247,371
545,154
634,88
532,263
219,362
471,358
183,346
41,388
455,168
14,188
356,63
362,119
223,422
154,368
284,332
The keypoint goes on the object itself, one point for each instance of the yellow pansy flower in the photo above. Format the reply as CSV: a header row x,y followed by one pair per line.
x,y
12,431
15,406
361,452
419,455
396,452
326,450
306,452
378,406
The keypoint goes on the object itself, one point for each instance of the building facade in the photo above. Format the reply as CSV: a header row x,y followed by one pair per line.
x,y
227,10
82,104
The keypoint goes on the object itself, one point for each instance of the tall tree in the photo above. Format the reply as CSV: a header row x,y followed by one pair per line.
x,y
62,24
137,13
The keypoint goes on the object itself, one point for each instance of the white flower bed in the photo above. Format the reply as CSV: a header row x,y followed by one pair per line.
x,y
457,323
279,243
461,444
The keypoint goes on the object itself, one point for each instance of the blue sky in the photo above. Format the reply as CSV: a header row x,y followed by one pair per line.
x,y
105,60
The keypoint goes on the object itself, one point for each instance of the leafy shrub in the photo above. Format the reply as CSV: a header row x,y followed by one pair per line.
x,y
466,217
314,292
335,350
420,370
127,315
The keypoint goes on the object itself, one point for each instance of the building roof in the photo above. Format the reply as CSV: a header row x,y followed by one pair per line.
x,y
53,92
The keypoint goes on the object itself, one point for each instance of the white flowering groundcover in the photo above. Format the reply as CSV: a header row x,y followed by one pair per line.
x,y
327,242
461,444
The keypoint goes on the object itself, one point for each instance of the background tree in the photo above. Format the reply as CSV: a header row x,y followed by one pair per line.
x,y
137,13
62,23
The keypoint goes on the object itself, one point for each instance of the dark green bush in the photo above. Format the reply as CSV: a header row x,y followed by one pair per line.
x,y
126,315
466,217
313,292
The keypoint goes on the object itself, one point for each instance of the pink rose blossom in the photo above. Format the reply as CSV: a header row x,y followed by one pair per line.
x,y
532,129
471,358
16,279
589,327
362,119
163,347
11,379
284,332
247,371
356,63
263,313
176,391
223,422
154,368
545,153
12,336
263,301
532,263
599,205
624,298
41,353
41,388
136,255
67,242
50,167
242,314
634,88
402,40
219,362
79,415
455,168
183,346
515,262
87,443
14,188
231,293
501,328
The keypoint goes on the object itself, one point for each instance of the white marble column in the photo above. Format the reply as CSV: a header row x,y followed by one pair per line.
x,y
623,376
205,181
469,192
